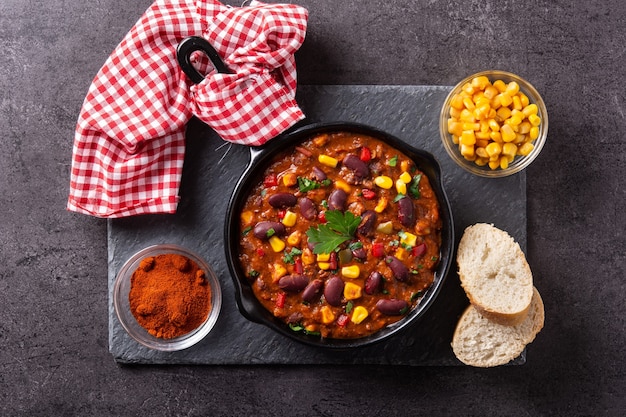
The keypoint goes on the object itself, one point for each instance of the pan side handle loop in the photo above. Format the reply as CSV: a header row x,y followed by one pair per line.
x,y
192,44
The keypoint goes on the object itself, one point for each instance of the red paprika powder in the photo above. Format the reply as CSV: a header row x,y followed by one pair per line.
x,y
169,295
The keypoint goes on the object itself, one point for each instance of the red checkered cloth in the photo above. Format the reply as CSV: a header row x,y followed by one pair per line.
x,y
129,142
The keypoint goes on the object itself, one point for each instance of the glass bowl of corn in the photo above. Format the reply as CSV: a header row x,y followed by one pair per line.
x,y
493,123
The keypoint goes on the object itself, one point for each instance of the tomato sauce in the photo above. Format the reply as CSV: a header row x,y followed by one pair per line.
x,y
341,236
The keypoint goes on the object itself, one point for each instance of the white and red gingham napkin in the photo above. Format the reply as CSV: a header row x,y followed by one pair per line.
x,y
129,142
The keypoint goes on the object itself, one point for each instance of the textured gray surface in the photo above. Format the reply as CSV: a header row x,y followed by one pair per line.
x,y
211,171
54,357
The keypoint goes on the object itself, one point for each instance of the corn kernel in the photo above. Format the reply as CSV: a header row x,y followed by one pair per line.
x,y
530,109
323,257
278,272
404,167
481,162
533,133
481,152
467,116
405,177
321,139
246,217
276,243
324,266
467,150
342,185
457,102
290,218
509,149
468,138
524,99
495,136
505,99
493,148
508,134
401,254
512,88
294,238
468,103
400,186
351,271
408,239
383,181
480,82
525,149
327,315
381,205
499,85
491,92
517,103
503,113
290,179
534,120
352,291
494,164
359,313
328,161
504,163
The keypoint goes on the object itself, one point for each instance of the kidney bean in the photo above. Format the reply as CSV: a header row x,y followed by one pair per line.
x,y
360,254
307,208
280,200
400,271
312,290
357,165
406,213
368,220
392,307
373,283
318,174
261,229
293,283
337,200
333,291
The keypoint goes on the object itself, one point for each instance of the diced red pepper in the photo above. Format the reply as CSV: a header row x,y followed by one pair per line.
x,y
280,299
270,181
260,252
368,194
342,320
298,266
366,154
378,250
281,213
419,250
321,217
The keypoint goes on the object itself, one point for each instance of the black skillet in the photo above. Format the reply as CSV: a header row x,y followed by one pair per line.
x,y
261,158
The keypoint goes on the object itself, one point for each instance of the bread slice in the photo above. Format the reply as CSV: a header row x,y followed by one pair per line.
x,y
480,342
495,274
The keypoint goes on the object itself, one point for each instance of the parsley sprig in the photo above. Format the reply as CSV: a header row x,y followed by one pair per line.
x,y
339,228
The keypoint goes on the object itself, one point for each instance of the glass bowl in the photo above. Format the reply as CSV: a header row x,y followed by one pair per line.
x,y
121,303
519,162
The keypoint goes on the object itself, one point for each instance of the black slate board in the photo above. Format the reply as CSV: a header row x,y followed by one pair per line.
x,y
211,170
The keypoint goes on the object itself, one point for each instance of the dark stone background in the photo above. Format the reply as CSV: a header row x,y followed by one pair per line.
x,y
54,357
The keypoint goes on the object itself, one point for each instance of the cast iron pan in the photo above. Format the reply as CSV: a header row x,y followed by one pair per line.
x,y
261,158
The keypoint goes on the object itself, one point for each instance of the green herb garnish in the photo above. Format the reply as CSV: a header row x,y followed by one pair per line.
x,y
414,188
245,231
393,161
398,197
349,307
306,184
339,228
289,256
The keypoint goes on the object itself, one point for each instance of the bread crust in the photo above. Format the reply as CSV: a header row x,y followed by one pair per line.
x,y
495,274
480,342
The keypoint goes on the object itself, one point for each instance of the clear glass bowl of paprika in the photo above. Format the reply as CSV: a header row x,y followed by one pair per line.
x,y
172,303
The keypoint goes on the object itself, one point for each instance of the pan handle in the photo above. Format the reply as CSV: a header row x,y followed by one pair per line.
x,y
192,44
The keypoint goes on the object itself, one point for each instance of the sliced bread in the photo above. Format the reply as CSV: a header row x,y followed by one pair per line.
x,y
480,342
495,274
